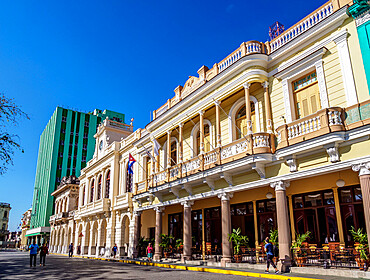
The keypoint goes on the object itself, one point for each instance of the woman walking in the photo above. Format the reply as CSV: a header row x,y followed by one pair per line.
x,y
43,252
269,248
149,251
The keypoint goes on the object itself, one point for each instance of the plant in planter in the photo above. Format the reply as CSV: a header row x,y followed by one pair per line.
x,y
274,241
361,247
299,256
179,245
238,240
166,244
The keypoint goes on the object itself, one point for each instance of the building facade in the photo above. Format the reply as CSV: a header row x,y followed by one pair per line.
x,y
62,222
4,220
25,225
66,144
273,137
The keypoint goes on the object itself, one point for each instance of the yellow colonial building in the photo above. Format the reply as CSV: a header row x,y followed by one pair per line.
x,y
274,136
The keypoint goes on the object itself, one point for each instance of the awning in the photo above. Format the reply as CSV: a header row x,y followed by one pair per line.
x,y
37,233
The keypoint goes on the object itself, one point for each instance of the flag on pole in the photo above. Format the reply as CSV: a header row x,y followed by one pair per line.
x,y
149,154
157,146
131,162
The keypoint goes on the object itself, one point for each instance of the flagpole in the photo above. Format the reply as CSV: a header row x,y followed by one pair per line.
x,y
152,157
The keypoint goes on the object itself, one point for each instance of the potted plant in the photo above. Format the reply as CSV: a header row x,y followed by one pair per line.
x,y
166,244
238,240
274,241
179,245
299,255
361,247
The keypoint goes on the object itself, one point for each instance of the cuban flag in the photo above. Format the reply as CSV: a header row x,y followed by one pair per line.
x,y
131,162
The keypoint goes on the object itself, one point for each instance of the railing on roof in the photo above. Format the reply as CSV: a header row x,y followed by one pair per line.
x,y
308,22
250,47
123,126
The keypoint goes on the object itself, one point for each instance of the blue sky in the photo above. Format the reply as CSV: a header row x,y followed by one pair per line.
x,y
126,56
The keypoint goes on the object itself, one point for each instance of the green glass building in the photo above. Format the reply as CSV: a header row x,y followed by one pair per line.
x,y
360,11
66,144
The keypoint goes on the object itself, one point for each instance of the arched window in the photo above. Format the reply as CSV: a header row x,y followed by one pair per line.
x,y
99,188
207,139
83,195
129,180
107,185
148,170
173,153
241,123
92,191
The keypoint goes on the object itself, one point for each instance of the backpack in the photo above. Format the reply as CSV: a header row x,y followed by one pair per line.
x,y
275,250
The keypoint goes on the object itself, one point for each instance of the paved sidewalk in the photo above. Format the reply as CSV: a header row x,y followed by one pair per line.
x,y
229,271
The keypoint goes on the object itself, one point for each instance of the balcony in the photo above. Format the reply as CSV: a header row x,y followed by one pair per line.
x,y
59,217
122,201
254,144
322,122
95,207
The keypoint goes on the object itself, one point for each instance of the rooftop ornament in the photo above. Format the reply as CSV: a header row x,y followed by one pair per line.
x,y
275,30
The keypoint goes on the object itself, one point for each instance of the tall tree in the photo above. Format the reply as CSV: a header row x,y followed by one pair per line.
x,y
10,114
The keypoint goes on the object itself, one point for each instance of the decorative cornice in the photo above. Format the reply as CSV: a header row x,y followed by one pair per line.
x,y
363,18
246,85
280,185
187,203
225,196
362,168
159,209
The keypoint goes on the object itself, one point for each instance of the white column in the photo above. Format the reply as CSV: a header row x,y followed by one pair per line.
x,y
346,67
99,239
322,84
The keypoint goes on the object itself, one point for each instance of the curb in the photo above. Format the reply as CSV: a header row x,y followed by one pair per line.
x,y
198,269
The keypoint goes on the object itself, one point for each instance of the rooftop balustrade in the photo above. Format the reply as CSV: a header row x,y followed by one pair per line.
x,y
305,24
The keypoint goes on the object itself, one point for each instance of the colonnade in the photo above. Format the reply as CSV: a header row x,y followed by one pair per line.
x,y
285,221
217,105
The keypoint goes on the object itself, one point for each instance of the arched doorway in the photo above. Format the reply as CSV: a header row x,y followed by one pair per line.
x,y
103,233
94,238
86,240
79,240
124,236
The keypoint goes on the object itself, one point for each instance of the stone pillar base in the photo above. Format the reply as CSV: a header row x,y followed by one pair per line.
x,y
284,265
224,261
157,258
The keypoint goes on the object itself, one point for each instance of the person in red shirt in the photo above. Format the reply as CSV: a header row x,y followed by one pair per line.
x,y
149,251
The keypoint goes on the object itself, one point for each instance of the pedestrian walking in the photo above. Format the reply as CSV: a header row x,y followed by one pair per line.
x,y
79,250
34,248
149,251
70,250
102,251
114,250
44,250
269,248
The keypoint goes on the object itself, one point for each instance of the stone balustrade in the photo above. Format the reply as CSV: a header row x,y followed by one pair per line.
x,y
320,123
253,144
308,22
